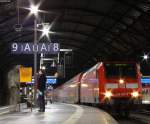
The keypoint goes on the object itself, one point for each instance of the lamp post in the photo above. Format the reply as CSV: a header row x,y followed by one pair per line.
x,y
35,59
34,11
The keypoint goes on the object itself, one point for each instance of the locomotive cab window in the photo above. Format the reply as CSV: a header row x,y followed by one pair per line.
x,y
122,70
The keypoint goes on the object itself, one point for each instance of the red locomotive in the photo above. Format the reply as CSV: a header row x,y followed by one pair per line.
x,y
116,84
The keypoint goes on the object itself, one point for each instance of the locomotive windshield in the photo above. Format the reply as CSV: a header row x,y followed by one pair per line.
x,y
121,70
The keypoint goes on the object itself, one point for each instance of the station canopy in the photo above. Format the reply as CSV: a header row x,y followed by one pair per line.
x,y
95,30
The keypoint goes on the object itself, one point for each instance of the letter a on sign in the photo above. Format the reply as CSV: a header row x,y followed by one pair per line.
x,y
25,74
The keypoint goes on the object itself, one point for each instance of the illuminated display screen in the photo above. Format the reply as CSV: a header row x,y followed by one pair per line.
x,y
50,80
145,80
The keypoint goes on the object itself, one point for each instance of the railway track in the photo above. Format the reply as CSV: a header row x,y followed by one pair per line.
x,y
143,116
140,117
135,118
132,120
144,112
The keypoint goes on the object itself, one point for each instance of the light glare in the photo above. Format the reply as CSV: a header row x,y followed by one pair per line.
x,y
34,9
43,67
45,30
145,57
84,85
108,94
121,81
135,94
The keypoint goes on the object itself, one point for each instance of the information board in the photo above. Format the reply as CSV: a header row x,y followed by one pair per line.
x,y
31,48
25,74
145,80
49,80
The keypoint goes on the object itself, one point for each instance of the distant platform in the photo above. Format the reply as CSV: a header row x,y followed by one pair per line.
x,y
59,113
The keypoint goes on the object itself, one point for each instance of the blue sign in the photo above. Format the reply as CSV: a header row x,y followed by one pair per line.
x,y
31,48
49,80
145,80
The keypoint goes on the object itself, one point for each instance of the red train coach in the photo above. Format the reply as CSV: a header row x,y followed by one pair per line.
x,y
70,91
107,83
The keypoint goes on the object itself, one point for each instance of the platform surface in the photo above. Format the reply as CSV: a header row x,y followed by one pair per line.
x,y
59,113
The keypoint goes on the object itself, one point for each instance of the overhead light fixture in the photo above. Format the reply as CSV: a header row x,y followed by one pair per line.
x,y
145,57
34,9
46,27
45,30
18,27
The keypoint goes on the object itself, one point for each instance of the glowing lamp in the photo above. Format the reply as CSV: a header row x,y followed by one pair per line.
x,y
135,94
121,81
145,57
108,94
34,9
43,67
45,31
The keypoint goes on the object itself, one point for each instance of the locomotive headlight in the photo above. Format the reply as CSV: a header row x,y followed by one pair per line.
x,y
108,94
121,81
135,94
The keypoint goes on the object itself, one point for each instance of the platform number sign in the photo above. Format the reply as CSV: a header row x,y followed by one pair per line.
x,y
14,47
31,48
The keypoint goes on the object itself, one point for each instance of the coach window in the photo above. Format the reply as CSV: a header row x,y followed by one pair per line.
x,y
96,73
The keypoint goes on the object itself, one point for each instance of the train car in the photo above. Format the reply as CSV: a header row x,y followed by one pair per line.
x,y
113,84
70,91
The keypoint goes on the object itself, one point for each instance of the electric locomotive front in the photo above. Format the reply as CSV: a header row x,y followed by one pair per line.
x,y
122,86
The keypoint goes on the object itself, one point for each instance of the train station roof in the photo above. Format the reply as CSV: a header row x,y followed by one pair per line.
x,y
96,30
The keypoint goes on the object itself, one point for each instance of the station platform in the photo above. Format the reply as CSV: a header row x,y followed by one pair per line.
x,y
59,113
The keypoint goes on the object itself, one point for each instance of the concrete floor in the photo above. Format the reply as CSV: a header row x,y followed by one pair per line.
x,y
59,113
